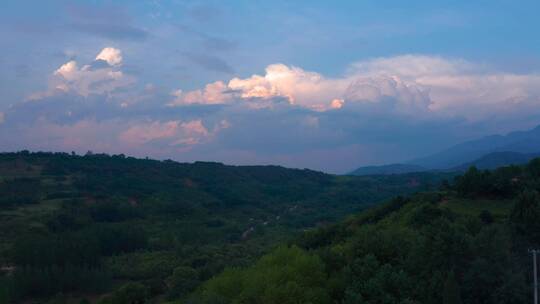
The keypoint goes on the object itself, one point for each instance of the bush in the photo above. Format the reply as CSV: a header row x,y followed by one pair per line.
x,y
183,280
287,275
130,293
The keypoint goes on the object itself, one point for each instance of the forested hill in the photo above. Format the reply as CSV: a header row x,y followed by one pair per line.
x,y
74,227
467,243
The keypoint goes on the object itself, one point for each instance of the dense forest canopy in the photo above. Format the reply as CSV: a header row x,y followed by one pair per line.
x,y
75,227
467,243
114,229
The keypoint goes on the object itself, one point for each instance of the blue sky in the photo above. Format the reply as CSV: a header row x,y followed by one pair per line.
x,y
328,85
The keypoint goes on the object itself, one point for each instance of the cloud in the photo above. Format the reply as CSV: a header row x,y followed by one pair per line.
x,y
293,84
426,85
160,139
337,103
299,87
111,55
176,132
286,115
2,117
458,87
313,91
94,78
213,93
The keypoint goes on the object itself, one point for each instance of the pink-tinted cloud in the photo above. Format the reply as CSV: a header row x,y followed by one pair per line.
x,y
419,84
176,133
213,93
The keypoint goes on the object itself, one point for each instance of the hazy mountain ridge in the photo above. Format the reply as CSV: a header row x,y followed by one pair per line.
x,y
498,159
486,153
388,169
519,141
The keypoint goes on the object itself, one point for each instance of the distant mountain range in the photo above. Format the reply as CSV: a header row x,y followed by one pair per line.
x,y
485,153
388,169
498,159
521,142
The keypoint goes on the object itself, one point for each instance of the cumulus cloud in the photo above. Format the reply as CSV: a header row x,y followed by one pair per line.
x,y
213,93
88,79
312,90
286,115
417,84
176,132
77,112
111,55
458,87
299,87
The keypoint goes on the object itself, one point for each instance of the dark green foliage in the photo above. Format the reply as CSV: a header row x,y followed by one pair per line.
x,y
486,217
183,280
60,250
19,191
130,293
451,293
534,168
430,248
194,232
369,281
501,183
91,222
526,213
46,281
287,275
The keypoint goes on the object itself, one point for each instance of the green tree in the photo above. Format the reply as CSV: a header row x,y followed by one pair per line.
x,y
183,280
287,275
486,217
130,293
451,293
534,168
526,213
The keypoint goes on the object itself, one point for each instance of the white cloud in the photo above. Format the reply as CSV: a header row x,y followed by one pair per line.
x,y
417,84
111,55
374,105
410,66
88,79
67,70
213,93
459,87
299,87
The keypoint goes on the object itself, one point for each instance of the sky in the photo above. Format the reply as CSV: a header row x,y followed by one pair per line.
x,y
325,85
